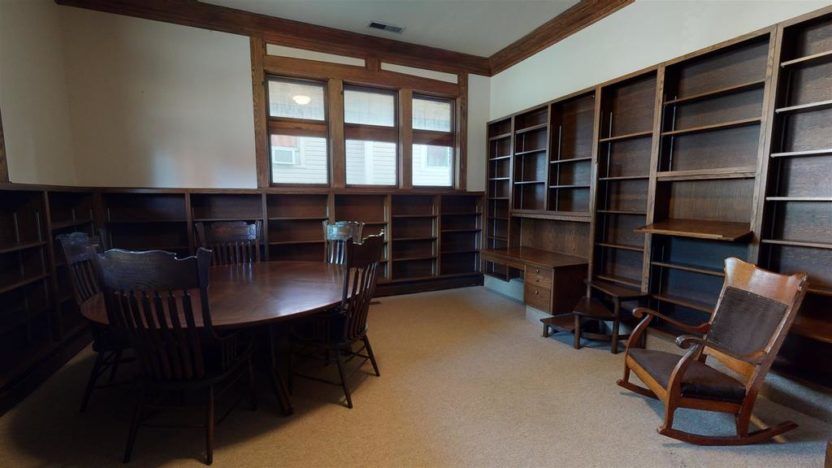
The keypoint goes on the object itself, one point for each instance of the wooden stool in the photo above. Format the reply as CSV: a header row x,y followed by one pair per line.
x,y
589,308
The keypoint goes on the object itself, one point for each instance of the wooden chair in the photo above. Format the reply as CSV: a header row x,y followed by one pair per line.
x,y
161,304
78,249
336,235
233,242
336,332
754,312
591,309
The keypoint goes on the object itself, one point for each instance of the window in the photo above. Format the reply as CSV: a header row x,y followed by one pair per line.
x,y
298,132
371,136
433,142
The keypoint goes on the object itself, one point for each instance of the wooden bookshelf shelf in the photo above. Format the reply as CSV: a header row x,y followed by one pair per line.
x,y
531,129
716,92
462,230
699,229
708,174
578,186
531,151
147,221
825,55
500,158
575,216
627,136
791,243
812,327
619,281
225,219
689,268
690,304
4,288
812,106
56,225
409,239
4,249
806,153
499,137
632,248
414,216
525,182
461,213
616,178
499,178
799,199
570,160
298,218
622,212
713,127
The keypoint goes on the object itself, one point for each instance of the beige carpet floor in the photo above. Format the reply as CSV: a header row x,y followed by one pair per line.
x,y
466,381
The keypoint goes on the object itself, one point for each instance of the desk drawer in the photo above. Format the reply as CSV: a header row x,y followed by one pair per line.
x,y
537,297
540,277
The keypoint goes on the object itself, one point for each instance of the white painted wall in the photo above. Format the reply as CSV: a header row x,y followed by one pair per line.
x,y
642,34
157,104
33,94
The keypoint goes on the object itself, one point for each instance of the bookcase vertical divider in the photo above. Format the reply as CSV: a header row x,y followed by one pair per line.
x,y
655,148
593,190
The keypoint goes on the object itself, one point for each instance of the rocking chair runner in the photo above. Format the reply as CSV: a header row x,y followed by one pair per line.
x,y
754,312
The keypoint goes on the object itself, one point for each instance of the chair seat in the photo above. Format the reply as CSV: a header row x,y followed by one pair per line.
x,y
592,308
700,380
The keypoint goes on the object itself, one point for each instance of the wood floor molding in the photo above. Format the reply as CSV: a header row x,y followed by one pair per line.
x,y
290,33
579,16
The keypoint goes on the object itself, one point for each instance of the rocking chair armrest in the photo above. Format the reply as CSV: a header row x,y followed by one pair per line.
x,y
685,342
639,312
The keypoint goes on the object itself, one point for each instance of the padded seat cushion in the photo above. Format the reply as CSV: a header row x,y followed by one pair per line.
x,y
700,380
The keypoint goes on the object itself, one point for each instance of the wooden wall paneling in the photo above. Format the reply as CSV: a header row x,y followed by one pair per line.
x,y
290,33
335,136
260,105
461,128
405,140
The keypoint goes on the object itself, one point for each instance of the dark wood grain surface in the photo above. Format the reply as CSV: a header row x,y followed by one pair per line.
x,y
247,295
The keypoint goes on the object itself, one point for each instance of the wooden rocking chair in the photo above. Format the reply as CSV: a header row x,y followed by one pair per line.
x,y
753,315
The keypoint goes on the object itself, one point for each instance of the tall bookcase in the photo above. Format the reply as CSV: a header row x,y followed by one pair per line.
x,y
624,146
531,159
797,227
373,210
711,139
570,159
295,225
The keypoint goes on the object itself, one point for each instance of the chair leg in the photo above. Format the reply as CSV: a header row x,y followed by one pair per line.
x,y
669,412
94,374
339,359
614,339
209,427
372,356
577,342
616,324
114,366
138,410
251,386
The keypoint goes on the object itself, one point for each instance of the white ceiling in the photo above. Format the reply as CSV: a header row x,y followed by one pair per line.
x,y
479,27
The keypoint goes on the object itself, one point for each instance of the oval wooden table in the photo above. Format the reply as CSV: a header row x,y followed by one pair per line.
x,y
244,296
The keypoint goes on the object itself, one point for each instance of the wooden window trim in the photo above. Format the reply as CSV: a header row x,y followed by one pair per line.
x,y
366,132
370,77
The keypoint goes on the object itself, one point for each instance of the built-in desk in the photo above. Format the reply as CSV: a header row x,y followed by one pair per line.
x,y
552,282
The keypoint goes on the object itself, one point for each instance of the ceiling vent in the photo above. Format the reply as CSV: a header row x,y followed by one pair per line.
x,y
385,27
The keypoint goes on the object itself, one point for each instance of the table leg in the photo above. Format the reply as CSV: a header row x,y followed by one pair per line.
x,y
278,384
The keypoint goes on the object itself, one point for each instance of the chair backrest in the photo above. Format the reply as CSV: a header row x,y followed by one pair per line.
x,y
336,235
754,312
78,250
361,268
233,242
149,298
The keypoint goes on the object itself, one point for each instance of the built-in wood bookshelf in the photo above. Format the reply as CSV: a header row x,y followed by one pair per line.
x,y
797,227
711,136
625,141
436,238
723,152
